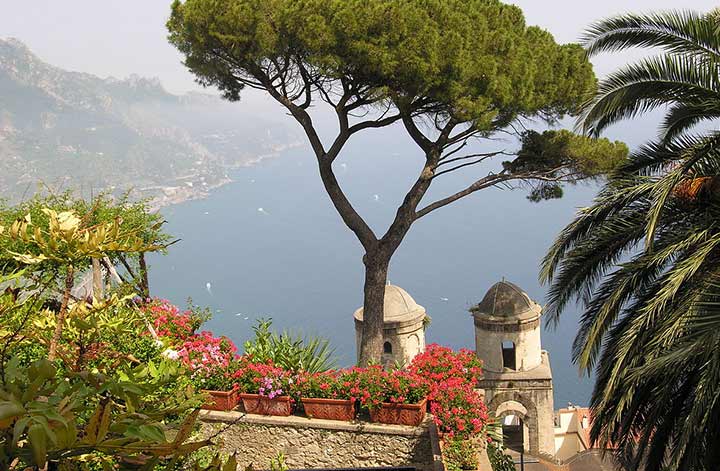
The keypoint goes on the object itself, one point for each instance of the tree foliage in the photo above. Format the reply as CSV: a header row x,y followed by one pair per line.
x,y
146,227
643,259
472,60
449,71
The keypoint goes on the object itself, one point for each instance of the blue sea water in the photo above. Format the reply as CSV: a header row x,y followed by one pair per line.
x,y
271,245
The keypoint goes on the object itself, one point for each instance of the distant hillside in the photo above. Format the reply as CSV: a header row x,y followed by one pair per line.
x,y
75,130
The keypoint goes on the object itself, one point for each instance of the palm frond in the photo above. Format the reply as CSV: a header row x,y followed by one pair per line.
x,y
682,117
678,32
647,85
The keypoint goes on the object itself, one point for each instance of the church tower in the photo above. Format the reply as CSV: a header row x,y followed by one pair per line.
x,y
403,327
517,377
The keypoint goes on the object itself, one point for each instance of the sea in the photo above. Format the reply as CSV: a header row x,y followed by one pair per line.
x,y
270,245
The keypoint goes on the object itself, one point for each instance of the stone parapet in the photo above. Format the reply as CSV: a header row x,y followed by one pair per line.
x,y
313,443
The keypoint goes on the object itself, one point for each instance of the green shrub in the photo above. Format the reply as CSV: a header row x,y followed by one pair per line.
x,y
290,351
498,459
460,455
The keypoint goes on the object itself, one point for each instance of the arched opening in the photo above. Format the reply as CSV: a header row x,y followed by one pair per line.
x,y
387,348
513,429
508,355
524,414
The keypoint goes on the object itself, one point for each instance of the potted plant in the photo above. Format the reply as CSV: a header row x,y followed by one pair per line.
x,y
327,395
263,389
211,361
219,387
397,397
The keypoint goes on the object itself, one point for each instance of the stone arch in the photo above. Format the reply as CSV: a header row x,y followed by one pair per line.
x,y
515,403
511,407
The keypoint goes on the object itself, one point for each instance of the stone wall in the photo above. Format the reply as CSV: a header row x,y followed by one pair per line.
x,y
313,443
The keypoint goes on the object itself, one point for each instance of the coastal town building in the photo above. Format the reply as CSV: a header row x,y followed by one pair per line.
x,y
572,432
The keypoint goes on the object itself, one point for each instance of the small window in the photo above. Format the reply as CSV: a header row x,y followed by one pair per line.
x,y
508,353
387,348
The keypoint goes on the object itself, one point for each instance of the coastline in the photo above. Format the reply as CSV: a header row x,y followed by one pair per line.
x,y
172,195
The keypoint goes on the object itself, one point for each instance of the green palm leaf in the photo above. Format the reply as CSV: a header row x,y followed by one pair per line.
x,y
644,259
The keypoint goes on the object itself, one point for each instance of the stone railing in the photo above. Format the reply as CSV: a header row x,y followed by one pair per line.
x,y
314,443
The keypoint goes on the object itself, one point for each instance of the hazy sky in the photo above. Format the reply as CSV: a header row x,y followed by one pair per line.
x,y
113,37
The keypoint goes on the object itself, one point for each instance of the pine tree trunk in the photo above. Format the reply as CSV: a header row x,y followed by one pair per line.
x,y
371,345
69,281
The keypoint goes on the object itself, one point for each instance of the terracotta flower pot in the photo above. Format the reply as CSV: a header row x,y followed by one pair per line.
x,y
221,400
399,414
331,409
261,405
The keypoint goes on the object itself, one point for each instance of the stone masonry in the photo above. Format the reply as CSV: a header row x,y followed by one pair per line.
x,y
312,443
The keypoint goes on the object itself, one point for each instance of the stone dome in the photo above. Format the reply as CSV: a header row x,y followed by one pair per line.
x,y
399,307
505,300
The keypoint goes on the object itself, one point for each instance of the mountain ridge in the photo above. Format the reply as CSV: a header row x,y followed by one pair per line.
x,y
74,129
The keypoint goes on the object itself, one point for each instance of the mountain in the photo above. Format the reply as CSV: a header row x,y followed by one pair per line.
x,y
75,130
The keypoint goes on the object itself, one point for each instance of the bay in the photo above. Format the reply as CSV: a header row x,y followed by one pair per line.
x,y
270,245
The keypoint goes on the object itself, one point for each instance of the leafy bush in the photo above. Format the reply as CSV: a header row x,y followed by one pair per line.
x,y
83,384
289,351
460,455
45,416
498,459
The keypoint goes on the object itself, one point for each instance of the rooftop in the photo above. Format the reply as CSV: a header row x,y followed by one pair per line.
x,y
504,300
399,307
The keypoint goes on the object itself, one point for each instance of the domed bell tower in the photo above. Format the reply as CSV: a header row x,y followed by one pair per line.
x,y
517,378
403,327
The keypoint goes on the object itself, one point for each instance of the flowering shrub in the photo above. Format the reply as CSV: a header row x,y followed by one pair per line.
x,y
172,324
210,360
327,385
214,378
440,374
375,386
204,351
438,364
270,387
265,379
458,409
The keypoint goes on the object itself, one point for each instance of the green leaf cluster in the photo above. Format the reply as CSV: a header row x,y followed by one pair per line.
x,y
643,260
102,211
474,60
49,417
288,350
583,156
459,455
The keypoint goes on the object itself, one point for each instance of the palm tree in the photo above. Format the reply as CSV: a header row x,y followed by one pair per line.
x,y
644,259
